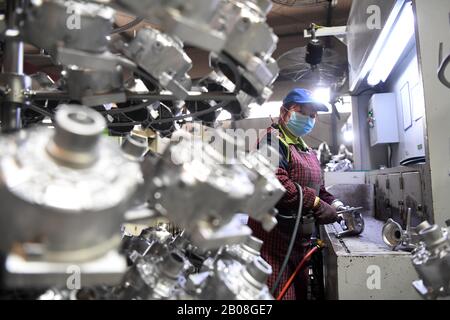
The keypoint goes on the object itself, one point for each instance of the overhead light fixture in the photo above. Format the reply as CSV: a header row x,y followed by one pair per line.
x,y
401,34
348,136
314,48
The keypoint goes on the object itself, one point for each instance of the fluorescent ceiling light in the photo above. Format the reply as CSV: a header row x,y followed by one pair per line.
x,y
396,43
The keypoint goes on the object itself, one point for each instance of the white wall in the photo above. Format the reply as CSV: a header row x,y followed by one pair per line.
x,y
406,77
365,156
433,28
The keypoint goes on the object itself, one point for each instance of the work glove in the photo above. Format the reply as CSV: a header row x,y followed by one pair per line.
x,y
325,213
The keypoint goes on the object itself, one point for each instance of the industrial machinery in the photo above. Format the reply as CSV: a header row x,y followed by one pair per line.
x,y
68,191
431,259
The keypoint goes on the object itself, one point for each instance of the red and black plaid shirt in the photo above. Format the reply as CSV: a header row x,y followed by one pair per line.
x,y
300,166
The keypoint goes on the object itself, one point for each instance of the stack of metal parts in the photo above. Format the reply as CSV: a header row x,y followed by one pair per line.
x,y
210,191
163,268
79,37
236,272
166,271
66,191
79,41
234,31
431,259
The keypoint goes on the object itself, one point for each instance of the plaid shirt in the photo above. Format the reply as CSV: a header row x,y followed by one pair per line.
x,y
298,163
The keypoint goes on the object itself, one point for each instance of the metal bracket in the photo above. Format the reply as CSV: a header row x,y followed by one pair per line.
x,y
339,32
443,64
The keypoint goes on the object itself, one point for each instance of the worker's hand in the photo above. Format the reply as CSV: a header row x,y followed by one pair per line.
x,y
325,213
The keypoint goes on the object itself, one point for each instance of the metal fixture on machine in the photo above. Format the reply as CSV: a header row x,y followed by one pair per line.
x,y
71,181
396,238
135,146
246,57
153,277
199,23
243,253
431,259
268,189
55,24
163,58
13,81
190,169
67,191
238,282
134,247
93,75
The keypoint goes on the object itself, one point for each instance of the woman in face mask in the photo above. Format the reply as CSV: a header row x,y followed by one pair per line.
x,y
298,164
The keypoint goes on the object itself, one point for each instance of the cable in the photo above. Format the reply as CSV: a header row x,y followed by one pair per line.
x,y
127,26
40,110
292,241
389,148
297,270
171,119
127,109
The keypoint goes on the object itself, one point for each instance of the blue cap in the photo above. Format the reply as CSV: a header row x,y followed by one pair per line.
x,y
299,95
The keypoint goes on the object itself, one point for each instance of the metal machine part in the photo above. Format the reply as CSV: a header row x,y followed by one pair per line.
x,y
351,222
268,189
13,82
396,238
240,109
27,273
243,253
94,87
255,80
66,23
93,75
238,282
135,147
58,186
134,247
431,259
199,23
163,58
250,40
248,49
153,278
192,187
260,167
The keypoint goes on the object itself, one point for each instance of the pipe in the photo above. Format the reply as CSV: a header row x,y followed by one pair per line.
x,y
297,270
292,241
204,96
12,64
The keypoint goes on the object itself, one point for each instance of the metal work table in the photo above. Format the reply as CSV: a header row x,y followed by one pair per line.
x,y
363,267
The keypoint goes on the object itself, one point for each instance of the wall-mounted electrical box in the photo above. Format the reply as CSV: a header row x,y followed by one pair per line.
x,y
382,118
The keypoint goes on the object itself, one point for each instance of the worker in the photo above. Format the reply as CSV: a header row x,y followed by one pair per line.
x,y
297,164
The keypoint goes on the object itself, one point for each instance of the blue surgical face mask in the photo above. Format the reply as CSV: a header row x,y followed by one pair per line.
x,y
300,124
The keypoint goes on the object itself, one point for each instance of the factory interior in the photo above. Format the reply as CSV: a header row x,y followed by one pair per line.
x,y
225,150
